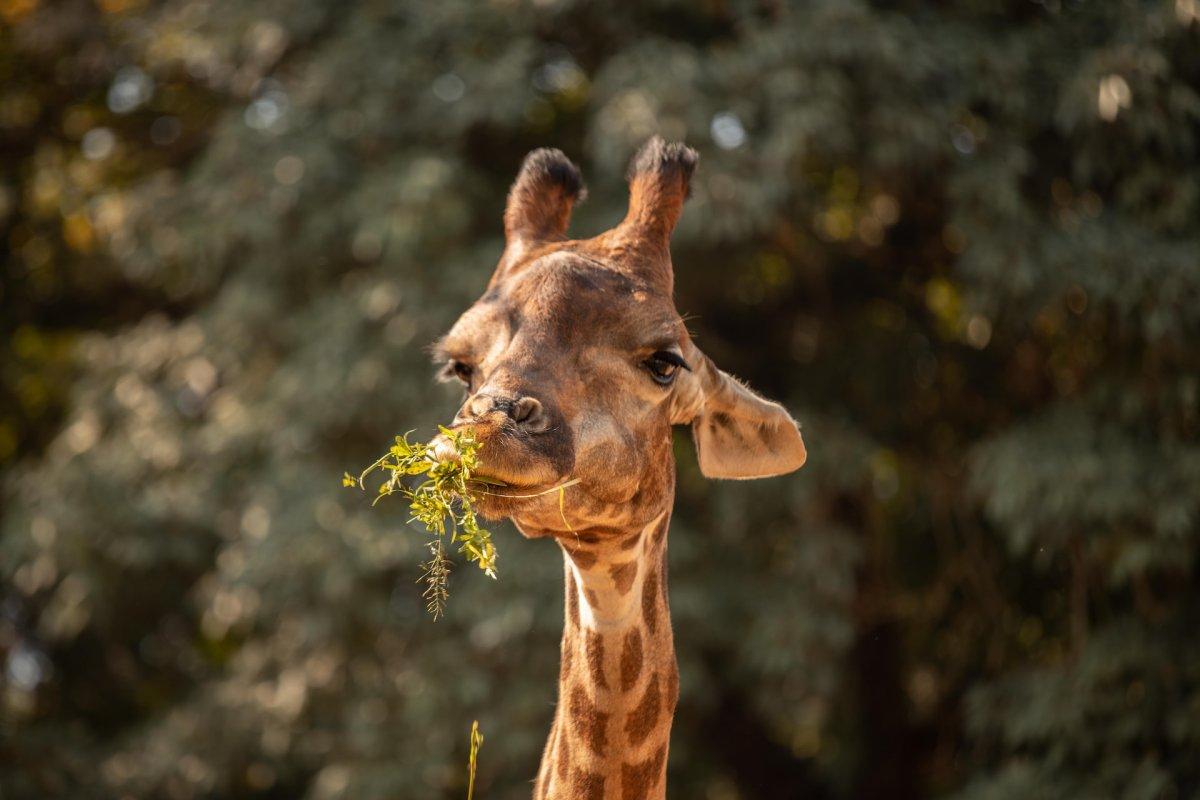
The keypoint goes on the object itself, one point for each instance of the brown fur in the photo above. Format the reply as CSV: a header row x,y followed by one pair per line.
x,y
595,655
588,786
650,602
588,720
623,575
558,361
639,780
642,719
631,659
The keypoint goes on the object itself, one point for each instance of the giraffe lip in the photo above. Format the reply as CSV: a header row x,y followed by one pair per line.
x,y
510,479
510,496
499,502
488,481
509,468
489,487
501,487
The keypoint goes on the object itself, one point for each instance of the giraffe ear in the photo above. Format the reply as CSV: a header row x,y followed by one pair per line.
x,y
737,433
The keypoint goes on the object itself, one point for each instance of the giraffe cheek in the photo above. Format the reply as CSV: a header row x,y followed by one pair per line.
x,y
611,471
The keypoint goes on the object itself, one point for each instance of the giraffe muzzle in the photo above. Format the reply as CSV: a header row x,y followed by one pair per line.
x,y
524,443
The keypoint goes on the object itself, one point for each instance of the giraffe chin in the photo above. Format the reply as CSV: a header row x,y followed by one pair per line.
x,y
496,503
513,501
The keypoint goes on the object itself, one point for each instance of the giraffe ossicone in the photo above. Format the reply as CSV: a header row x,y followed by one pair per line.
x,y
576,366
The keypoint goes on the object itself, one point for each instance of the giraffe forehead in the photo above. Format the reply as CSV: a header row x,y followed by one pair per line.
x,y
575,298
561,303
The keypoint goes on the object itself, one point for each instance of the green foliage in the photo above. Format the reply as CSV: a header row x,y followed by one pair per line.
x,y
444,496
1118,721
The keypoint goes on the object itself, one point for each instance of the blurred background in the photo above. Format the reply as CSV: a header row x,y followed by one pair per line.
x,y
959,241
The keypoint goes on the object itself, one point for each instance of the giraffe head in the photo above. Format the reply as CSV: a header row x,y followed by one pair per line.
x,y
576,364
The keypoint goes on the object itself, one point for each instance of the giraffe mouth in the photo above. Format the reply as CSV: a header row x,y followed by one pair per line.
x,y
499,502
495,500
498,489
490,481
511,491
510,463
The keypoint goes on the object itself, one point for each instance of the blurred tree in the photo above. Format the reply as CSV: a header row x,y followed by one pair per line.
x,y
960,243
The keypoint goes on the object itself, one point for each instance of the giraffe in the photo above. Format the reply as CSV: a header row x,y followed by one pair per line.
x,y
576,365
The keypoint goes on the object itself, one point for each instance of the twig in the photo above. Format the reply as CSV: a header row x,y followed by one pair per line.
x,y
476,743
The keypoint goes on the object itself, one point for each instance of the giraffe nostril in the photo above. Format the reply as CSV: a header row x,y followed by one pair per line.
x,y
526,411
480,405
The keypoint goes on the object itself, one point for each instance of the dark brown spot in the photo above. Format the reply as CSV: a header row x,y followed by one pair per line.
x,y
588,720
599,532
644,716
587,786
630,542
593,601
572,599
595,657
582,558
638,780
672,690
662,578
623,575
564,755
661,530
631,659
650,601
766,433
570,643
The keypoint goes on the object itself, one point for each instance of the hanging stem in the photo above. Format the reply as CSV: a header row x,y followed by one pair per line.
x,y
476,743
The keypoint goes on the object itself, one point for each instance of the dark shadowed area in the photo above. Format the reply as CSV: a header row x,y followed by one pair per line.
x,y
960,242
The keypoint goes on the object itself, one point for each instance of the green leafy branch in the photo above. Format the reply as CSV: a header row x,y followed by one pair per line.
x,y
442,502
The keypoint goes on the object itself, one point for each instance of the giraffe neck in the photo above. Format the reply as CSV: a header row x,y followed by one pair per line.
x,y
618,683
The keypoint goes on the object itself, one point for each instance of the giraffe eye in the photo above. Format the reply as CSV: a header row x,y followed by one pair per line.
x,y
460,370
664,366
